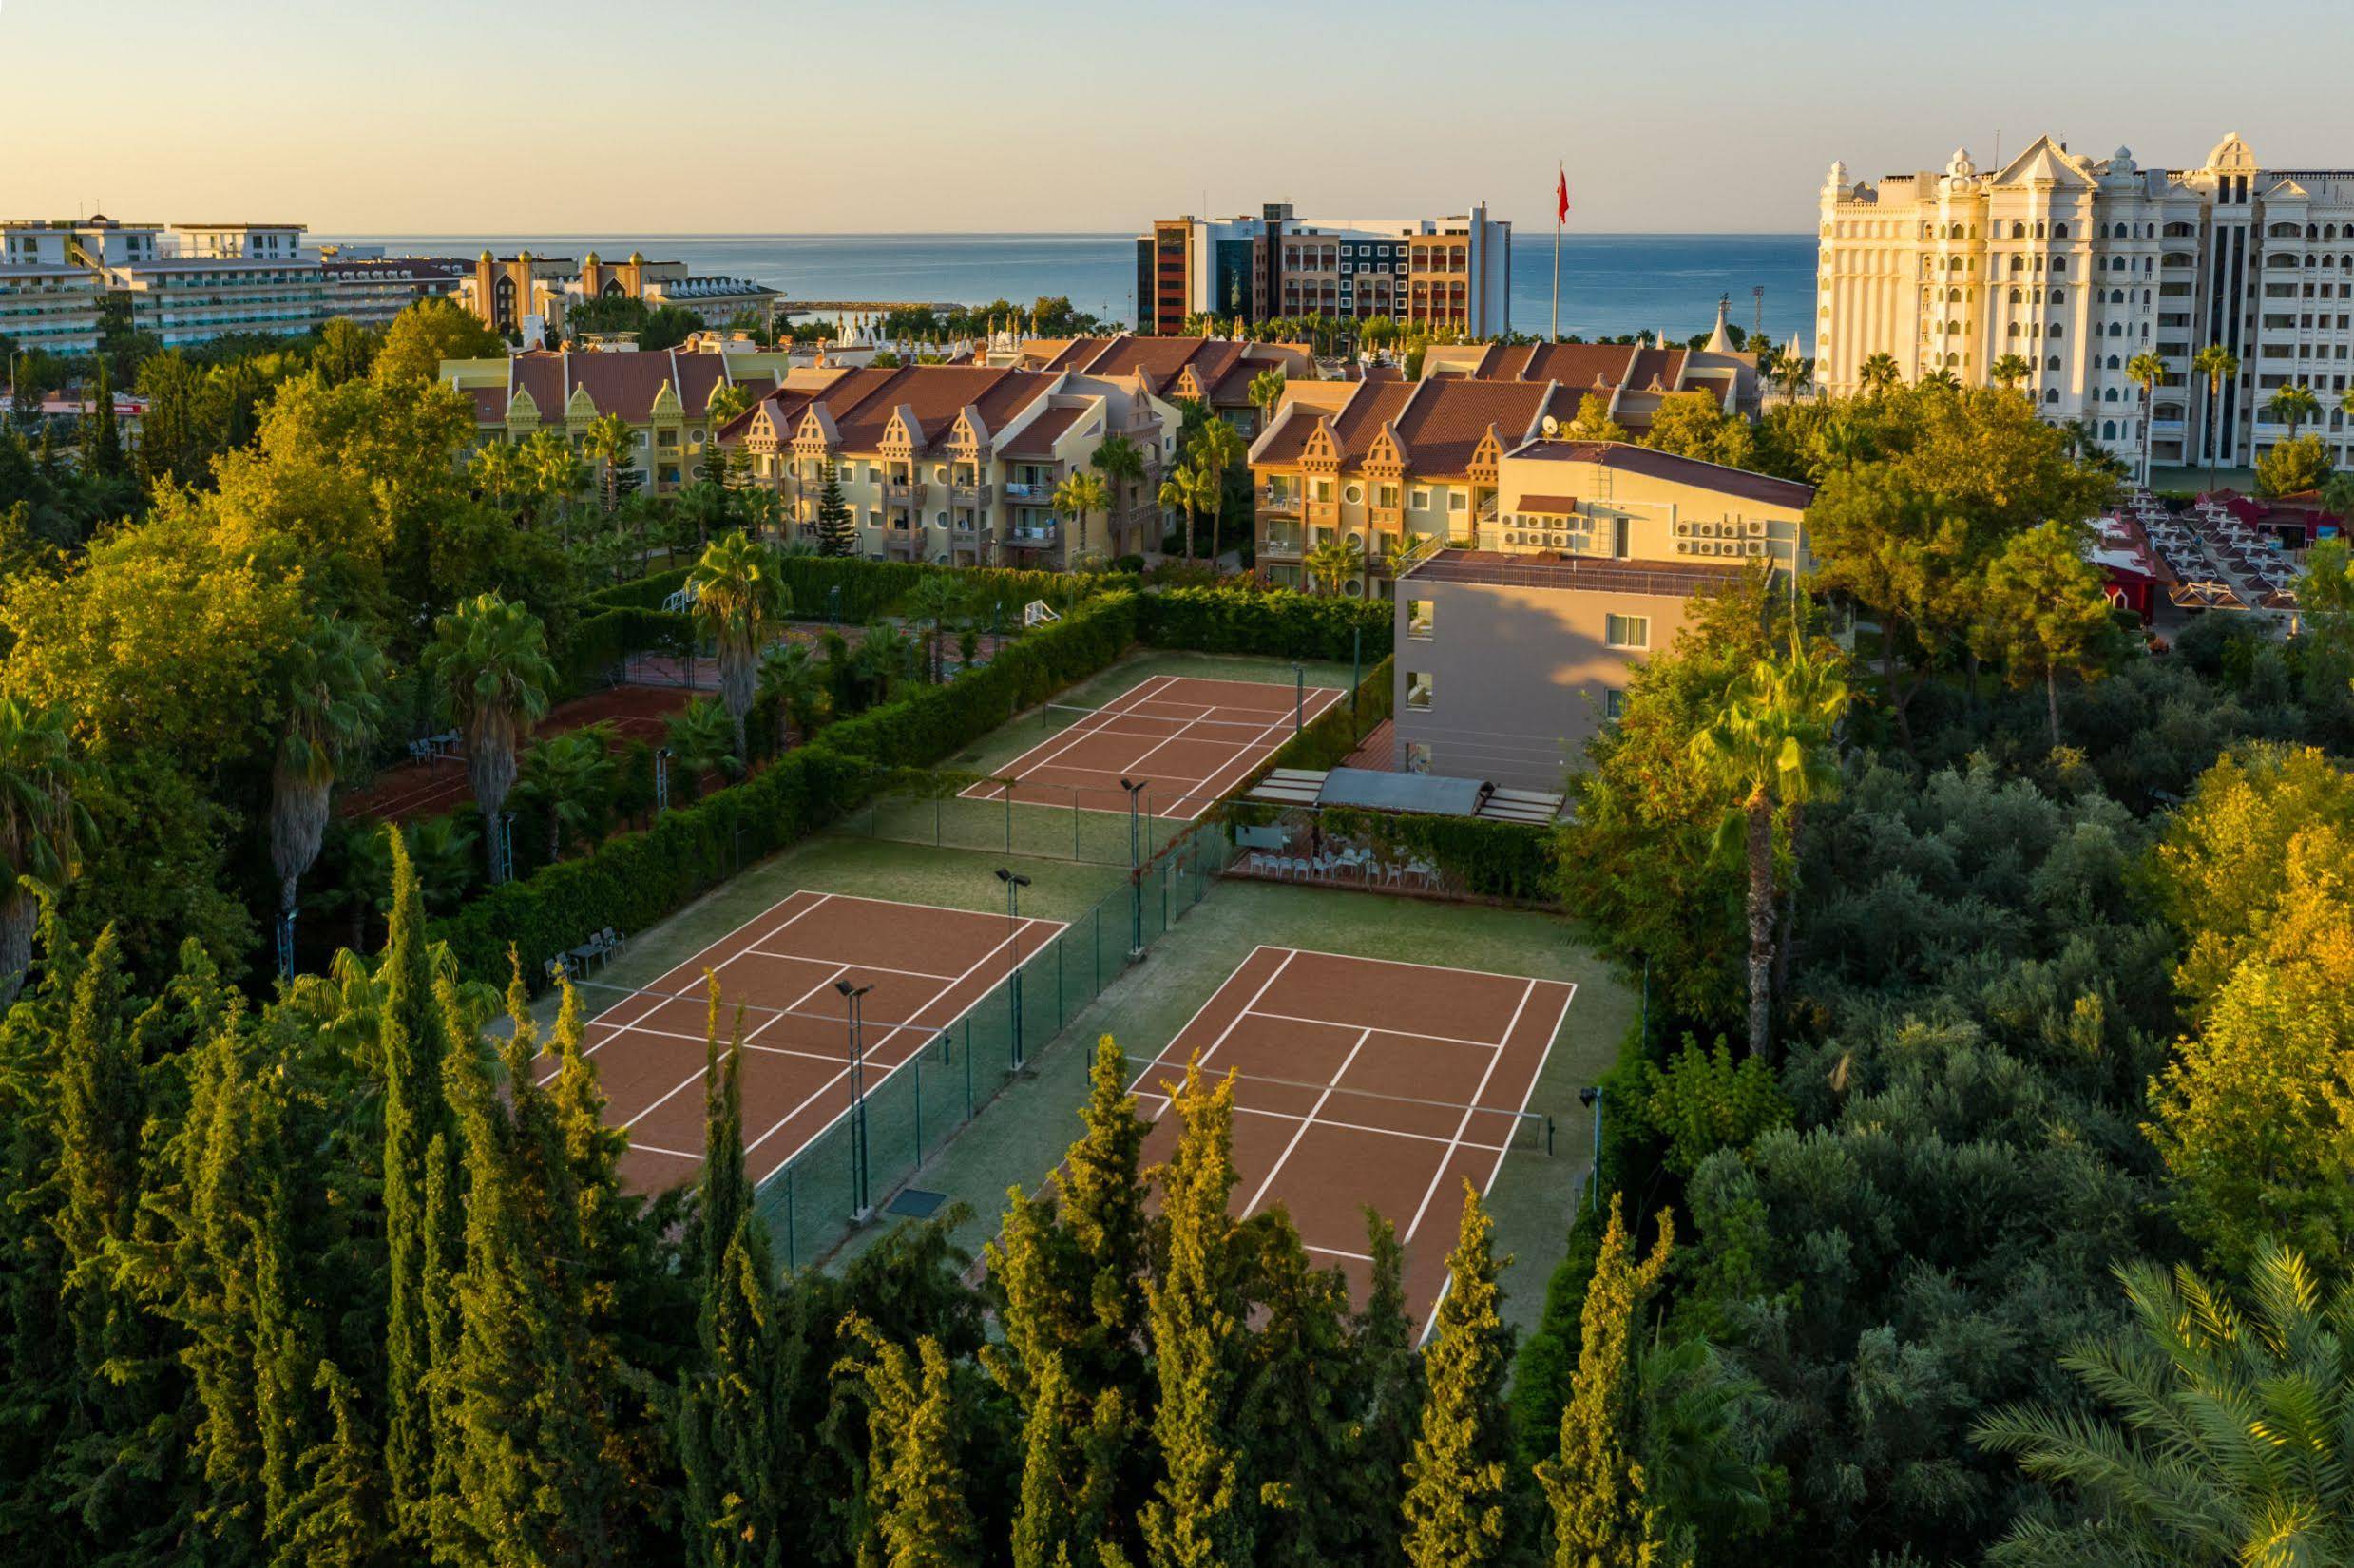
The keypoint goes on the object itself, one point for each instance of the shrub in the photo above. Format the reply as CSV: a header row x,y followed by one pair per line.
x,y
1286,624
1508,860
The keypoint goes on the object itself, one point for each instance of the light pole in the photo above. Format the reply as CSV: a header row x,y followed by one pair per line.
x,y
1299,695
850,995
1593,1097
1014,883
1135,788
662,780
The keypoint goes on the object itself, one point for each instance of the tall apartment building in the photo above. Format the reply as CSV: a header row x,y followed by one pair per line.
x,y
186,283
2079,264
372,289
1441,272
959,464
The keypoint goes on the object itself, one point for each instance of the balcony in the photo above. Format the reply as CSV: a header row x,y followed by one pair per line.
x,y
1281,544
1033,536
1038,490
903,544
902,492
971,495
1279,502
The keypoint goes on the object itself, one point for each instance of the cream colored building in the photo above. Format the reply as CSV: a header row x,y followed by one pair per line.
x,y
53,309
1510,654
959,464
2076,265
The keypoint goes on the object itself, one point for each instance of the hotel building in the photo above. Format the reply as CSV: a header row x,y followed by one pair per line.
x,y
665,396
2079,264
1512,652
509,294
372,290
186,283
1213,370
957,465
1450,273
1632,380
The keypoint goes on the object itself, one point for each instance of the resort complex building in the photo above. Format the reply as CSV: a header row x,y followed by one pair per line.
x,y
50,306
186,283
372,288
528,295
1452,272
666,398
960,465
1213,370
1631,380
2076,265
1513,648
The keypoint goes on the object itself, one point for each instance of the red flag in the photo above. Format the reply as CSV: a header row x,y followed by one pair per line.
x,y
1562,200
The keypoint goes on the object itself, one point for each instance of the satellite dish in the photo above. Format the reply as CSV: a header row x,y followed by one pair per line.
x,y
1551,426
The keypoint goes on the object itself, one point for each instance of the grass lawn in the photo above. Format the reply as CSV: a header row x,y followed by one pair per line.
x,y
1021,1134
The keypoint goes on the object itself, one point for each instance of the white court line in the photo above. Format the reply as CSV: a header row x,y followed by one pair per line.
x,y
1528,1093
1351,1126
750,1045
1013,773
1288,955
895,1031
1441,969
657,1149
689,964
1375,1028
874,968
698,1076
1314,1112
1210,795
1439,1175
1335,1252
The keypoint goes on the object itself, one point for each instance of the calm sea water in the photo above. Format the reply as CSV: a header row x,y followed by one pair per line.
x,y
1611,283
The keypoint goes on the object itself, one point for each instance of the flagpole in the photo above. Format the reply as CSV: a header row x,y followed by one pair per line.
x,y
1559,203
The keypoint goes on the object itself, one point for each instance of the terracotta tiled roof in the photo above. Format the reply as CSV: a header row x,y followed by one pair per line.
x,y
1037,439
1442,426
1682,471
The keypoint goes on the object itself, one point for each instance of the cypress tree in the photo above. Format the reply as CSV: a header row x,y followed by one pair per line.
x,y
1387,1399
1198,1515
416,1155
335,1519
1296,1399
100,1103
917,1515
101,437
1454,1506
732,1420
1596,1487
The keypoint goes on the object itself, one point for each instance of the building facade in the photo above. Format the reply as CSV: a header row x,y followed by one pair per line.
x,y
186,283
1632,380
372,290
1450,272
1513,652
530,295
667,399
2076,265
51,308
960,465
1215,372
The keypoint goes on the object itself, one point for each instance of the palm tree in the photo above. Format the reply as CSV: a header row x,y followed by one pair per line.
x,y
1077,495
42,825
1118,459
491,658
611,443
886,657
707,506
1879,372
499,471
2293,405
1188,490
738,598
443,853
1339,559
555,474
1216,450
569,778
2009,371
728,401
1942,378
1266,391
2219,364
2231,1437
932,604
1770,748
699,735
2149,371
794,679
335,701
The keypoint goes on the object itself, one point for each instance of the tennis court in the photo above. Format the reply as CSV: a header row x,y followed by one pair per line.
x,y
927,966
1367,1082
437,784
1192,738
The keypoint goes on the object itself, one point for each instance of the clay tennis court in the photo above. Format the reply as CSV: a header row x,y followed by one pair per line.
x,y
928,967
437,785
1195,738
1364,1081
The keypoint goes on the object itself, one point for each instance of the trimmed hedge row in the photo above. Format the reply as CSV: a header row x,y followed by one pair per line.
x,y
1328,738
601,641
1512,860
937,721
635,879
1288,625
871,588
644,593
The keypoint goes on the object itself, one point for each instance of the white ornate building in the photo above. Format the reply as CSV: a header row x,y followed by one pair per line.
x,y
2079,264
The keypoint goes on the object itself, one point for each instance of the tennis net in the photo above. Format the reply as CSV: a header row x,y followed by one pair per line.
x,y
1165,721
1490,1127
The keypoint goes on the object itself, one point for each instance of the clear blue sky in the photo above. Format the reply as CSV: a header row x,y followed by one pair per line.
x,y
484,116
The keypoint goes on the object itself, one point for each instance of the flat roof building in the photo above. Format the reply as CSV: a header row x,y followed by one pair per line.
x,y
1449,272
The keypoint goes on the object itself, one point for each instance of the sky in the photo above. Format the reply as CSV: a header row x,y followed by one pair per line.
x,y
738,116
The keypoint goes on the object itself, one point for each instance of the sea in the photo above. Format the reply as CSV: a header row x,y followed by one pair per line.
x,y
1611,283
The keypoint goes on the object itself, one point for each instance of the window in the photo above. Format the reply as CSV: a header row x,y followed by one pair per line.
x,y
1418,756
1422,498
1614,703
1626,631
1421,615
1419,686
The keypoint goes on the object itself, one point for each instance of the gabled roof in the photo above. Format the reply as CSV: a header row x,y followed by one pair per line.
x,y
1438,425
2045,159
1036,439
926,400
627,384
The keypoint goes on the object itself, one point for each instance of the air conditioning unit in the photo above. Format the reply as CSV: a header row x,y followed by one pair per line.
x,y
1706,546
1685,547
1756,526
1757,546
1683,531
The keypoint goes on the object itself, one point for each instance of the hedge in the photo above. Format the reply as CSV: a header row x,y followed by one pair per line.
x,y
1328,739
633,880
601,641
1512,860
938,721
873,589
1284,625
643,593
